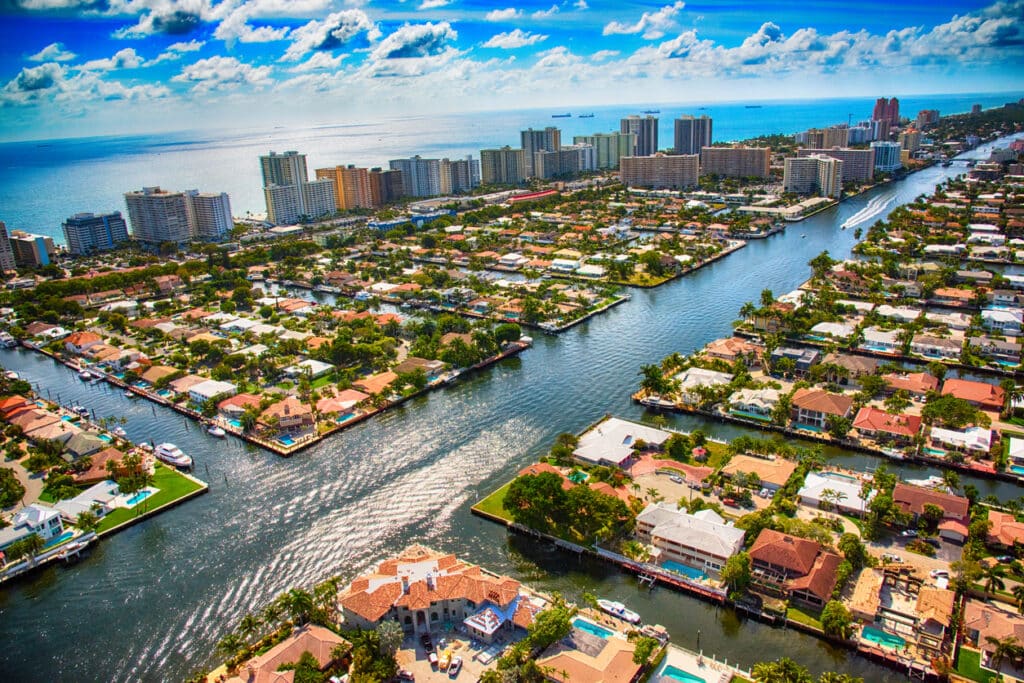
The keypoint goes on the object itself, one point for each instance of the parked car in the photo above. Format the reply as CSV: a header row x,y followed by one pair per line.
x,y
764,493
729,502
936,573
455,668
909,533
694,485
426,642
1006,558
675,478
432,658
934,542
405,675
895,559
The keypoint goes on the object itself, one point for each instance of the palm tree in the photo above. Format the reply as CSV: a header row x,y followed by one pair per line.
x,y
1018,593
994,579
272,614
1001,648
249,626
230,645
951,480
299,605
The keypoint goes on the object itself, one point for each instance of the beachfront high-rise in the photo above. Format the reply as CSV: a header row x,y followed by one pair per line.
x,y
158,216
421,177
288,192
886,155
887,110
660,171
505,166
646,131
209,215
32,250
692,134
736,162
6,252
608,147
858,164
564,162
818,173
351,186
459,175
386,186
88,233
533,141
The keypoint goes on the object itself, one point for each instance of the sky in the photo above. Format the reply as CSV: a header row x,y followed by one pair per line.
x,y
73,68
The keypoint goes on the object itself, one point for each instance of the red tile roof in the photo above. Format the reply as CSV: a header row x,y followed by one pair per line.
x,y
820,401
914,498
875,420
914,382
980,393
1005,530
821,579
782,550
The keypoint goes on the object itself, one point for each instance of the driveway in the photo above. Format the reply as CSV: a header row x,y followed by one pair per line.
x,y
33,483
896,545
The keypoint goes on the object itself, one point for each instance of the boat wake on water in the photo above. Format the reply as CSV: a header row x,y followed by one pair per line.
x,y
873,208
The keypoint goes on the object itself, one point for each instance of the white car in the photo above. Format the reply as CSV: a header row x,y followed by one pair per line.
x,y
939,573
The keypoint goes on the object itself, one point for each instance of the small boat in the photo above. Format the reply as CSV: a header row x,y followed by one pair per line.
x,y
214,430
561,116
7,341
617,609
85,375
753,106
586,116
128,393
11,374
803,235
119,432
652,111
172,455
80,410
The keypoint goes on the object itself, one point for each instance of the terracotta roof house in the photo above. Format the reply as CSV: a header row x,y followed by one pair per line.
x,y
77,342
982,621
375,384
290,412
581,656
795,566
316,640
879,424
912,499
414,363
97,471
1005,531
980,394
811,407
12,405
732,348
158,372
422,589
236,405
914,383
773,473
341,402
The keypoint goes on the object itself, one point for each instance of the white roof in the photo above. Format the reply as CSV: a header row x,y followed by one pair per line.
x,y
972,438
613,440
849,489
696,377
212,388
1009,315
834,329
1016,450
860,306
766,398
704,531
874,334
898,312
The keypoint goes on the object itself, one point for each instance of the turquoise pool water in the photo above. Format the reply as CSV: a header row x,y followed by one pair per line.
x,y
882,638
592,629
806,428
165,392
933,451
751,416
1017,469
106,437
286,440
237,424
577,477
138,498
345,418
876,347
683,569
677,674
59,539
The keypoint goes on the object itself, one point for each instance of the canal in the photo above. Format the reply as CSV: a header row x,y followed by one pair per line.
x,y
151,602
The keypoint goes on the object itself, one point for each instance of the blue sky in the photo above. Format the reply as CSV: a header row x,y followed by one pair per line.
x,y
83,67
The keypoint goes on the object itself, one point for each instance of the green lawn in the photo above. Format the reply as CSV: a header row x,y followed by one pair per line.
x,y
969,666
172,486
717,454
804,616
492,504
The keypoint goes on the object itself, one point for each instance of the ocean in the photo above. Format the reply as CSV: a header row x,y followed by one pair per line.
x,y
42,182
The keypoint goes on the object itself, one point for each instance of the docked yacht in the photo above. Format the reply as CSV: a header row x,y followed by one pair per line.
x,y
617,609
214,430
172,455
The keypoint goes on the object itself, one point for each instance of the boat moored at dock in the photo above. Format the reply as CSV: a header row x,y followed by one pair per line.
x,y
172,455
617,609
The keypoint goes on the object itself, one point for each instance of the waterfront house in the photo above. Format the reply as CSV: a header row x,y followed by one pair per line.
x,y
810,408
431,368
881,425
155,373
912,499
344,400
837,491
839,331
773,472
99,499
309,367
803,358
82,445
794,567
731,349
234,406
756,403
976,441
983,621
14,405
318,641
584,656
288,414
182,385
930,346
79,342
903,314
32,519
980,394
917,384
953,296
425,590
976,276
1003,320
98,471
60,431
999,350
613,442
691,379
880,341
702,541
33,419
210,390
1006,531
375,384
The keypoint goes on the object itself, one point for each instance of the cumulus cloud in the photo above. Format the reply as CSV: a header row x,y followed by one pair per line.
x,y
413,41
122,59
514,39
51,82
653,25
319,60
54,52
434,4
581,5
602,55
176,50
218,73
506,14
236,27
333,32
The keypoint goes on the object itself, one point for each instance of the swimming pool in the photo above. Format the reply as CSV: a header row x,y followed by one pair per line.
x,y
59,539
688,572
884,639
677,674
806,428
591,628
933,451
286,440
1017,469
138,498
237,424
106,437
345,418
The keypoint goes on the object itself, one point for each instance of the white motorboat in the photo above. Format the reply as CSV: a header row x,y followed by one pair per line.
x,y
85,375
128,393
617,609
119,432
214,430
80,410
172,455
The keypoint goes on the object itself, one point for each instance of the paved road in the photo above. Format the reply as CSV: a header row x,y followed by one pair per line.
x,y
33,483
